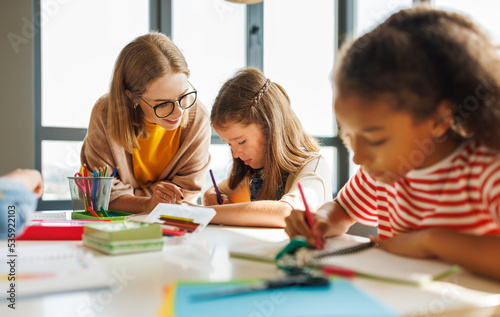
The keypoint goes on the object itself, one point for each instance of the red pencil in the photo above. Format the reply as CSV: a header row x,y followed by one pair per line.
x,y
335,270
89,185
92,212
309,217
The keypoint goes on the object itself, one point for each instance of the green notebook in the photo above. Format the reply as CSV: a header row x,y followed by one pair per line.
x,y
122,247
122,231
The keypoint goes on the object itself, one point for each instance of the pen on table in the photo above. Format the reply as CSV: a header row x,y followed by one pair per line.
x,y
219,197
309,216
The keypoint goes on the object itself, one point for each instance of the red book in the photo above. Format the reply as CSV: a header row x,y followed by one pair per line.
x,y
53,230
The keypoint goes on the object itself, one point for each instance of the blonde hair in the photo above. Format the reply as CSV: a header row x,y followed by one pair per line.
x,y
141,62
249,97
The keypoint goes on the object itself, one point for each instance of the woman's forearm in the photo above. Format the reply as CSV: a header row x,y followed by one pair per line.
x,y
132,204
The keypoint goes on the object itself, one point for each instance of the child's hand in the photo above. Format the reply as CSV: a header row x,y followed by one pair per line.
x,y
330,220
296,225
407,244
30,178
210,198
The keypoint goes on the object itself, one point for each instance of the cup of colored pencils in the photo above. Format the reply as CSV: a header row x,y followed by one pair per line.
x,y
91,190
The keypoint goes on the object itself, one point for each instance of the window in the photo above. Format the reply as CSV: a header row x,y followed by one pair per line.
x,y
482,12
77,57
302,64
370,13
211,35
214,53
79,42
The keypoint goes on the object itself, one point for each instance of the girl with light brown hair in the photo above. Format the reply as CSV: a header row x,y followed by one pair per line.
x,y
152,126
271,154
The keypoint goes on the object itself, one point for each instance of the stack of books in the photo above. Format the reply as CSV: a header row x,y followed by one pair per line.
x,y
123,237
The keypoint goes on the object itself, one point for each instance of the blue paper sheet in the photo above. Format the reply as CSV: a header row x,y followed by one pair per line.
x,y
342,298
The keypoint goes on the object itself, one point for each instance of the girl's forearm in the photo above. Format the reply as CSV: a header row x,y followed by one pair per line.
x,y
479,254
265,213
337,217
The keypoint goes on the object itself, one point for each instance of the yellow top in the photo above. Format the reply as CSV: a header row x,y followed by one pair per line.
x,y
155,153
241,194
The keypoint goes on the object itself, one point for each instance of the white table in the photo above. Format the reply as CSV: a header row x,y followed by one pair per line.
x,y
139,279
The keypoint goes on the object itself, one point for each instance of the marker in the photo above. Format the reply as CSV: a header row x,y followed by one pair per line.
x,y
219,197
309,217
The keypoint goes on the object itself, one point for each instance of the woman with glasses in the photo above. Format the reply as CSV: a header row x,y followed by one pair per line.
x,y
150,126
272,154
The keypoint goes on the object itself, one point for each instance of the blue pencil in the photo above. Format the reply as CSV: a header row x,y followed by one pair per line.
x,y
95,185
114,172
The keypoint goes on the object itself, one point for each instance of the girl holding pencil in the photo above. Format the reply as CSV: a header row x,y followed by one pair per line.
x,y
152,126
271,154
418,103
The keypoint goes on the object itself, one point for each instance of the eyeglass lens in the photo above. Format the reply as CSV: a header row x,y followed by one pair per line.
x,y
165,109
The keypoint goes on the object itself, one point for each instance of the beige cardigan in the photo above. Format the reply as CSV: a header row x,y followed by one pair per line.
x,y
188,166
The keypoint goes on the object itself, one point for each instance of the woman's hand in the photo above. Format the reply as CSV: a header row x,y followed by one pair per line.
x,y
29,178
165,192
210,198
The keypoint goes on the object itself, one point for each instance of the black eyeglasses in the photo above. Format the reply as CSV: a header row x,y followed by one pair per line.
x,y
166,108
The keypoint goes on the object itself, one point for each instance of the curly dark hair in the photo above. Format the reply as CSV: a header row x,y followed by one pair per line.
x,y
422,56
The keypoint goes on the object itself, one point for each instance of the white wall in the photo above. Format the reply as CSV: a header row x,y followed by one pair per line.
x,y
16,85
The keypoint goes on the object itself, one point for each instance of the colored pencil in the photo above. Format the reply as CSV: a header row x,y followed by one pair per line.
x,y
309,216
114,172
217,192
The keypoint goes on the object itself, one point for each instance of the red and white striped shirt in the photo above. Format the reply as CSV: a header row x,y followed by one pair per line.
x,y
461,193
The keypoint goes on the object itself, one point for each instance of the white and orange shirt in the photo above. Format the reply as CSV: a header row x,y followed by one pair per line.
x,y
461,193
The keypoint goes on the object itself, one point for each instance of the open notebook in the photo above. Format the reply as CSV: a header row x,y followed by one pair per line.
x,y
370,262
42,269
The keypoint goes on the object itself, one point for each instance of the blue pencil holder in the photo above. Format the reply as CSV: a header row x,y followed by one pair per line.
x,y
90,191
